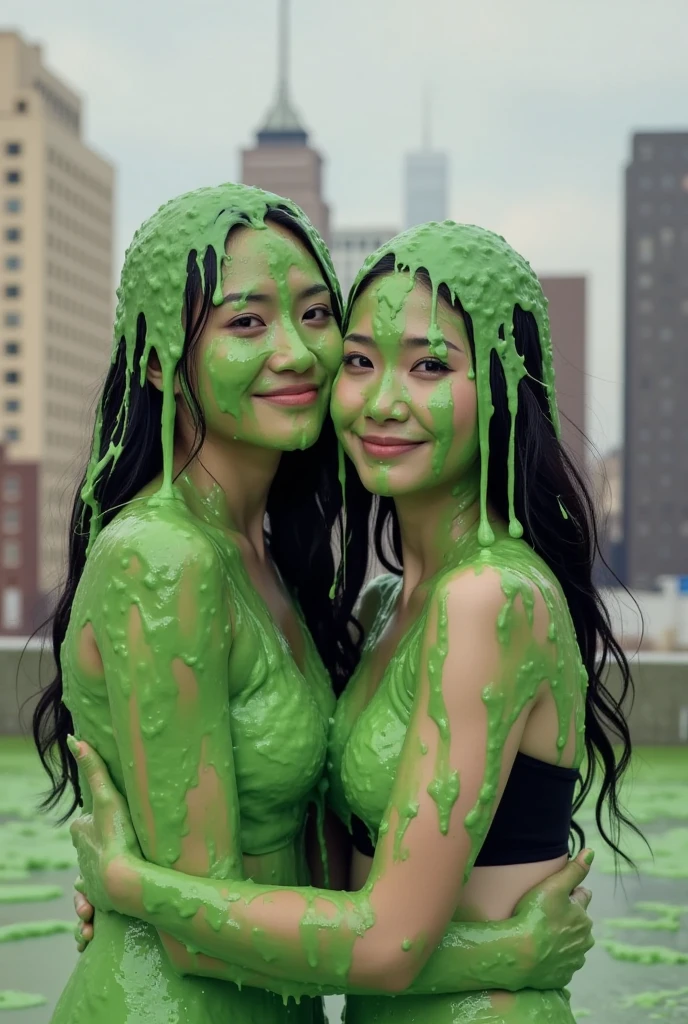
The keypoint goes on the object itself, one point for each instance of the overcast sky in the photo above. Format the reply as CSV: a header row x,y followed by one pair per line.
x,y
535,100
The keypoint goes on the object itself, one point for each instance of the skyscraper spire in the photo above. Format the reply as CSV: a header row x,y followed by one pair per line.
x,y
282,125
427,118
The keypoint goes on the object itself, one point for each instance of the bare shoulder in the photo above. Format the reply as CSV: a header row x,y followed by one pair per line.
x,y
160,538
485,592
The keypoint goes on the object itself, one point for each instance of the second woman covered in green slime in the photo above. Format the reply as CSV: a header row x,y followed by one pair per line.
x,y
473,660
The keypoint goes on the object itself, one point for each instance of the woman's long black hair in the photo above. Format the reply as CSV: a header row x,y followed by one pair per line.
x,y
303,510
547,480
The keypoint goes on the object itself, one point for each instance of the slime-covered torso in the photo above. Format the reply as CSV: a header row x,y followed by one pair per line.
x,y
278,717
369,731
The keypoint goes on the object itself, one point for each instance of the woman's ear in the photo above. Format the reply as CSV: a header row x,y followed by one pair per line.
x,y
154,370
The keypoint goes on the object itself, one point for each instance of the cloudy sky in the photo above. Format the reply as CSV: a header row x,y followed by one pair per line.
x,y
534,100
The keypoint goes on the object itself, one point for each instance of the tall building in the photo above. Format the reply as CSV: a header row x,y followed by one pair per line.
x,y
56,306
567,313
426,180
656,333
349,248
282,161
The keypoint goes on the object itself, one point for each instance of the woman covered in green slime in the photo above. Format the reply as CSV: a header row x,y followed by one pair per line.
x,y
472,685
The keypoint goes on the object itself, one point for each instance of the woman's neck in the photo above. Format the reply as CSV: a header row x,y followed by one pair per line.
x,y
431,523
226,484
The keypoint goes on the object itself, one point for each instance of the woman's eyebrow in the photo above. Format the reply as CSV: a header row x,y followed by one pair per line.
x,y
243,297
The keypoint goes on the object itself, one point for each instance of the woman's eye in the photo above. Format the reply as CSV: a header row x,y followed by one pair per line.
x,y
357,362
246,323
319,314
431,366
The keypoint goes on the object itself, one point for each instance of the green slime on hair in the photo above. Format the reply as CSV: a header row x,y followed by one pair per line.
x,y
152,285
489,278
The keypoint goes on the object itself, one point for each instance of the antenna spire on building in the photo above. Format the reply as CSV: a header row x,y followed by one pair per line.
x,y
282,125
427,118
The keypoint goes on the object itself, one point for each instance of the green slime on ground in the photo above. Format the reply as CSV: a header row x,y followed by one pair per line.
x,y
11,1000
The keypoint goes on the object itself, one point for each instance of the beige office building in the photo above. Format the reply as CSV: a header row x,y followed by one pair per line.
x,y
56,308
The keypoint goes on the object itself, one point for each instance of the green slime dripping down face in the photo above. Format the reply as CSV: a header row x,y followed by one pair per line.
x,y
153,282
489,278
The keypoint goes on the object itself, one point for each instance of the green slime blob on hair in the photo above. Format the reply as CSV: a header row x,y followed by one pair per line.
x,y
152,285
489,278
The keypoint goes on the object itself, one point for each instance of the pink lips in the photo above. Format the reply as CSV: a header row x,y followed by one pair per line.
x,y
387,447
292,394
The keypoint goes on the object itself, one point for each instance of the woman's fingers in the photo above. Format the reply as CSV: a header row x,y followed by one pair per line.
x,y
83,908
582,896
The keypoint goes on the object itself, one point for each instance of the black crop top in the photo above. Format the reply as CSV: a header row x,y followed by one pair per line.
x,y
532,822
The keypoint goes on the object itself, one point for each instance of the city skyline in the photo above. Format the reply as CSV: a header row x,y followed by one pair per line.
x,y
537,146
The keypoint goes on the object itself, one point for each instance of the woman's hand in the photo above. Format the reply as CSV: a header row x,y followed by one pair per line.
x,y
554,918
105,839
84,911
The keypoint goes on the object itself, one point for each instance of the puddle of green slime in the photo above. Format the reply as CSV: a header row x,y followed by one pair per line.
x,y
29,893
646,955
11,1000
34,930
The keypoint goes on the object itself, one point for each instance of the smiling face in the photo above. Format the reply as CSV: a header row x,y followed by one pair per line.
x,y
269,352
406,417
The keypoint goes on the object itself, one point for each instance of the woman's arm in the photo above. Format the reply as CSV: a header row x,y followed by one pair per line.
x,y
162,629
444,795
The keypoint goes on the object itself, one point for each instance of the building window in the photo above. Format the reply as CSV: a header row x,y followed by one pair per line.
x,y
11,434
10,520
12,319
13,205
11,488
666,334
12,291
13,177
12,608
668,182
11,554
11,348
12,377
646,306
13,148
22,107
12,235
12,263
645,280
645,150
646,250
666,236
12,405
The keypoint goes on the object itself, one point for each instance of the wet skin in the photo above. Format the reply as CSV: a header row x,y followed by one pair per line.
x,y
491,615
